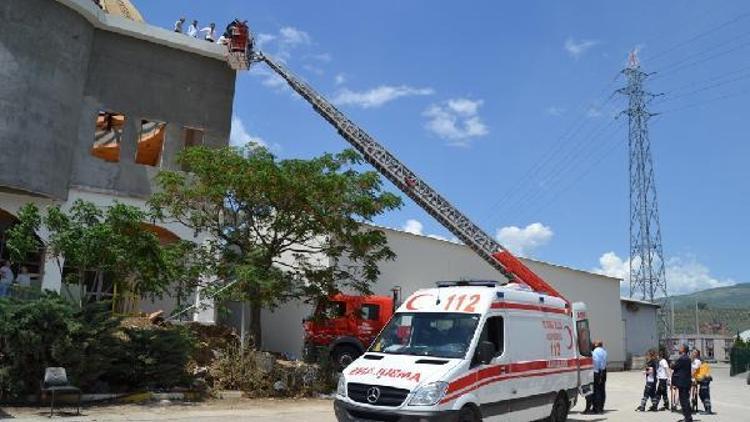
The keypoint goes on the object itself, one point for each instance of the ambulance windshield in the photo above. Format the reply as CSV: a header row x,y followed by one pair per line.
x,y
446,335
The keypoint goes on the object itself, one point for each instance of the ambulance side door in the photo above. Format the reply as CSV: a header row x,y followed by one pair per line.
x,y
531,351
494,395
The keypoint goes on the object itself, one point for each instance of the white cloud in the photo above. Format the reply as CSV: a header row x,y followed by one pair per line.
x,y
416,227
577,49
339,79
263,39
378,96
684,274
523,241
555,111
286,41
320,57
456,120
293,36
413,226
239,136
593,112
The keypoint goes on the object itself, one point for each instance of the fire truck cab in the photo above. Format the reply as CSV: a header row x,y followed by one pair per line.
x,y
345,326
472,351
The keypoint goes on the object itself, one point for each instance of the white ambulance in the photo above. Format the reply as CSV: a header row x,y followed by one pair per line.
x,y
472,351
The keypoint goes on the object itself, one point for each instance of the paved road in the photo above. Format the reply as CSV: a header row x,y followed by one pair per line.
x,y
731,398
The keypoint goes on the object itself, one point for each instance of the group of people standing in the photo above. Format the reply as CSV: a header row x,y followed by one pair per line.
x,y
7,278
690,379
208,33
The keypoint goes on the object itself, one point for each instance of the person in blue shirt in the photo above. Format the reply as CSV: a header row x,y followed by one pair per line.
x,y
599,356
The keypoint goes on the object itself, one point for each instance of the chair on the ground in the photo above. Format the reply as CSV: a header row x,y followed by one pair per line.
x,y
56,382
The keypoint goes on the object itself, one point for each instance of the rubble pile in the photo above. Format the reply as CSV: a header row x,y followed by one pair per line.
x,y
218,362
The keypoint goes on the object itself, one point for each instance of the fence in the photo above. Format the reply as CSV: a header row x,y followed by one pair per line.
x,y
739,359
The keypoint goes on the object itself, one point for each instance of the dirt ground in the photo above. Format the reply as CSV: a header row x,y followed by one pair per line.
x,y
730,396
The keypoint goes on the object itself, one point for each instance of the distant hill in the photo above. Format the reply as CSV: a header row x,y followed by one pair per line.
x,y
729,306
732,297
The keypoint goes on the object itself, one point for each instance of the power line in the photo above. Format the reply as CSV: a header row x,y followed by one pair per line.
x,y
554,174
534,211
549,156
698,36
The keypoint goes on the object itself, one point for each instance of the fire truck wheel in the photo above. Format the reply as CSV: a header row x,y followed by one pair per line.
x,y
560,408
469,414
343,355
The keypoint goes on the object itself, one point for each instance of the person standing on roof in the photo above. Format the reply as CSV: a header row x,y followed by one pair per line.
x,y
599,356
178,25
193,29
210,31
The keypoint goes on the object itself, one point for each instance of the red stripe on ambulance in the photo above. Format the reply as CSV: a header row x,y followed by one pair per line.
x,y
494,373
529,307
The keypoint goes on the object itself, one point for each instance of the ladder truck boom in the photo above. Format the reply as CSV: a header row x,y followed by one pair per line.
x,y
413,186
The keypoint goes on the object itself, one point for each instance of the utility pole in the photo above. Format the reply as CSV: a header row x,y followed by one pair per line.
x,y
647,273
697,326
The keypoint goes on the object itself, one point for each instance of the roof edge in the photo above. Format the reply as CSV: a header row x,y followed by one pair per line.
x,y
143,31
451,242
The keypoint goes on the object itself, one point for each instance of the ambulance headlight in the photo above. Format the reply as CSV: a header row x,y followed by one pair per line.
x,y
429,394
341,387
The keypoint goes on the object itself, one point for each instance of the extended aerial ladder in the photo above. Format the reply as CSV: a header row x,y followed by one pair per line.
x,y
411,185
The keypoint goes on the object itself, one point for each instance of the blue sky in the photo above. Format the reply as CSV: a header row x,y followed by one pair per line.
x,y
506,108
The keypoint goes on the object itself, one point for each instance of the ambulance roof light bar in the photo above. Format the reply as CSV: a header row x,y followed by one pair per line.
x,y
472,283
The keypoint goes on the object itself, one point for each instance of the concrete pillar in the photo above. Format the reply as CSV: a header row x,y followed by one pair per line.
x,y
52,274
173,144
129,142
205,309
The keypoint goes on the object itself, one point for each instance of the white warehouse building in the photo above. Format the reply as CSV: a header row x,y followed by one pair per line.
x,y
422,260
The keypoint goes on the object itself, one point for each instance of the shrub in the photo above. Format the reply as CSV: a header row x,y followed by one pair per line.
x,y
98,354
153,358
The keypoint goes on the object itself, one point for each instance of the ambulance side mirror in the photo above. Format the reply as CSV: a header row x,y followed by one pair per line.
x,y
485,352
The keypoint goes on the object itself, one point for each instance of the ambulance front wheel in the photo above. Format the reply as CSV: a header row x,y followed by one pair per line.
x,y
560,408
469,414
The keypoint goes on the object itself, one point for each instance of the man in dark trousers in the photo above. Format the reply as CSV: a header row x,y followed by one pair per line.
x,y
683,380
599,356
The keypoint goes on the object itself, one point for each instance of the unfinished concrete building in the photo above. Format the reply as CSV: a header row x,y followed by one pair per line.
x,y
94,104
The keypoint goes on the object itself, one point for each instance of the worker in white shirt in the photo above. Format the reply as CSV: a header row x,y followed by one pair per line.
x,y
662,377
6,278
23,278
178,25
210,32
193,29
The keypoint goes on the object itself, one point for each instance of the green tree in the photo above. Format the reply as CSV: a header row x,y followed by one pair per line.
x,y
94,240
276,226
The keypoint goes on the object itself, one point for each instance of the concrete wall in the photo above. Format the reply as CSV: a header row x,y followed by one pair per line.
x,y
422,261
44,55
639,322
62,61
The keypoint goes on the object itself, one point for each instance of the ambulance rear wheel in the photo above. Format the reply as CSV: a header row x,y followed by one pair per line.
x,y
560,408
343,355
469,414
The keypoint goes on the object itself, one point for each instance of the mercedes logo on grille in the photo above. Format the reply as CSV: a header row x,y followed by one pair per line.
x,y
373,394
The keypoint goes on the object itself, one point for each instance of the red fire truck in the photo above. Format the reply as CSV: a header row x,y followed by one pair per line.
x,y
345,326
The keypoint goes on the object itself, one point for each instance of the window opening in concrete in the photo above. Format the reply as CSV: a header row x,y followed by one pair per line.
x,y
27,272
192,137
150,143
108,136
